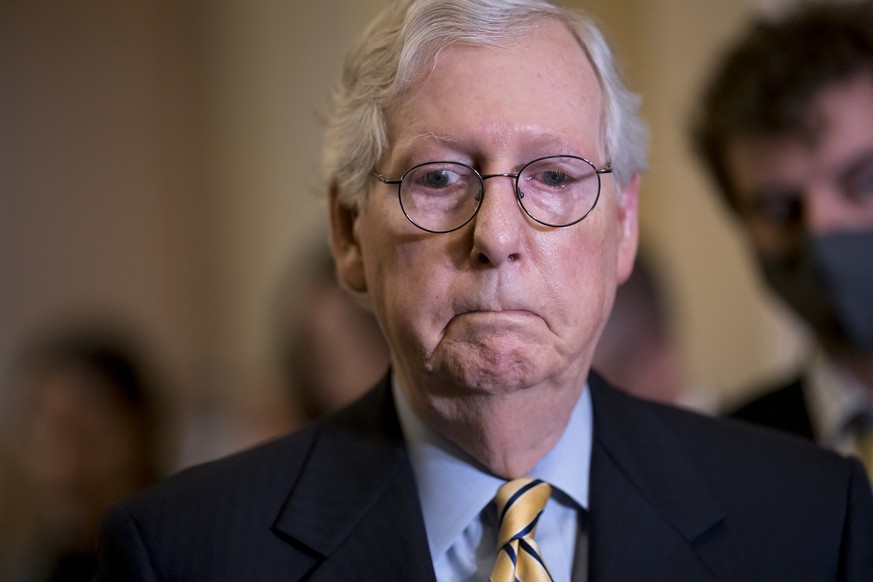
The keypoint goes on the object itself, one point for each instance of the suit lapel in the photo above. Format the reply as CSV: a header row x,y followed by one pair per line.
x,y
355,508
650,508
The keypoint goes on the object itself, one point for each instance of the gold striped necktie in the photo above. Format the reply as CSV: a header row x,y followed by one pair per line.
x,y
519,505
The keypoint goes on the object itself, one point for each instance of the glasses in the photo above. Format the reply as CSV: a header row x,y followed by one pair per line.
x,y
554,191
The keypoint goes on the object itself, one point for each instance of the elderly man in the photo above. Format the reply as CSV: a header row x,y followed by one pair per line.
x,y
786,128
484,158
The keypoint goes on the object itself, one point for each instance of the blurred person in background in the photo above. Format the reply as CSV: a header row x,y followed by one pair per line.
x,y
639,350
786,131
329,350
83,437
332,348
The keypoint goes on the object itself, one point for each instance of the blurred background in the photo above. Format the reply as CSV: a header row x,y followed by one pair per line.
x,y
159,173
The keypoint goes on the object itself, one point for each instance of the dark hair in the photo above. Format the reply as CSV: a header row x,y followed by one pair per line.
x,y
124,375
768,79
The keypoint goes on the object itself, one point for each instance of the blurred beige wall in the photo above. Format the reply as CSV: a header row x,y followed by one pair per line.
x,y
102,210
159,165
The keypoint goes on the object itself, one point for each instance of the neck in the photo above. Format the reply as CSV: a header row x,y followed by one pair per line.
x,y
508,432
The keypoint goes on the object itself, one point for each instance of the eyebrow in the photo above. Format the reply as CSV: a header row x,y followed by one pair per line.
x,y
534,137
434,137
843,172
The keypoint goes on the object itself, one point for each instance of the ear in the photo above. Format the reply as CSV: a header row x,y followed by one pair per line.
x,y
344,244
628,228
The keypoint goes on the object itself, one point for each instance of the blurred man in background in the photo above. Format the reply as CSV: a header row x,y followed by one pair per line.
x,y
639,349
786,130
639,331
332,349
84,437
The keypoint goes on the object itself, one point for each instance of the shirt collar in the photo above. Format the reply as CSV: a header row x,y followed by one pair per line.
x,y
454,488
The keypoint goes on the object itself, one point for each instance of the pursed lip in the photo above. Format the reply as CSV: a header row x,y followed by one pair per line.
x,y
493,304
485,312
489,310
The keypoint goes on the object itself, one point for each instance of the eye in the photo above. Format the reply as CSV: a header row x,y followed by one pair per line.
x,y
553,178
858,181
780,210
557,173
436,177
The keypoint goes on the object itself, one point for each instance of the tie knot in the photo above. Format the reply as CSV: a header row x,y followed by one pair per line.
x,y
519,505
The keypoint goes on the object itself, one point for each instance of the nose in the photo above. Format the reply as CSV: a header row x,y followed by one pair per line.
x,y
499,224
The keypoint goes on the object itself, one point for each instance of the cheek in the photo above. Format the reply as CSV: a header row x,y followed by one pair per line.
x,y
407,290
378,252
579,276
607,261
590,258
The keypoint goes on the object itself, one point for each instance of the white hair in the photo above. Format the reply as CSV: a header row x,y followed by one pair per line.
x,y
401,46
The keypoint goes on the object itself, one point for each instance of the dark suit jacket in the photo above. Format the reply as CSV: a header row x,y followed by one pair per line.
x,y
780,407
673,497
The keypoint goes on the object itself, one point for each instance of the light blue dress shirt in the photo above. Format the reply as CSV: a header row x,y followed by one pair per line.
x,y
456,495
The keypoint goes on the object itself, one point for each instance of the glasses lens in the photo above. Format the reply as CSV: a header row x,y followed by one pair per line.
x,y
440,196
558,190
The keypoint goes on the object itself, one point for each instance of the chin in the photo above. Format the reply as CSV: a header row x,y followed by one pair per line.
x,y
494,373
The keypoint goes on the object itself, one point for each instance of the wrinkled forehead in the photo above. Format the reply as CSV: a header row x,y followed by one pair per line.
x,y
531,67
419,53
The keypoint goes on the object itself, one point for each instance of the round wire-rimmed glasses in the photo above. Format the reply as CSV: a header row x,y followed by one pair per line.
x,y
555,191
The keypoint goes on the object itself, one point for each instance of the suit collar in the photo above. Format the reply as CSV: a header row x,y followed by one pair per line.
x,y
649,502
355,491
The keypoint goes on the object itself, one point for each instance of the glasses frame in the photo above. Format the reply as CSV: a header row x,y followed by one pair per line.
x,y
607,169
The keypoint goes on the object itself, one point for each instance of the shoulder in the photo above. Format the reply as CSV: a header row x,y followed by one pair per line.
x,y
209,522
782,407
789,508
727,452
258,479
221,520
268,471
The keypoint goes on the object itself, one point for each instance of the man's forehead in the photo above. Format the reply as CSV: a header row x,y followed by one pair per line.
x,y
765,161
548,123
424,66
837,125
816,118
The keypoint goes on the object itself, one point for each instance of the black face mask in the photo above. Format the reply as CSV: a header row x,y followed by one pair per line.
x,y
830,285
